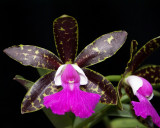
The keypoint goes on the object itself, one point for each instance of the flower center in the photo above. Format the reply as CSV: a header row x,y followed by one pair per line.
x,y
70,74
70,77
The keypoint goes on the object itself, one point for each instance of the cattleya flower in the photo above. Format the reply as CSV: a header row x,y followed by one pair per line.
x,y
144,92
138,83
61,89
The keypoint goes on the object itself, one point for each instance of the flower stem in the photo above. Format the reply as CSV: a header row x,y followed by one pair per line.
x,y
115,78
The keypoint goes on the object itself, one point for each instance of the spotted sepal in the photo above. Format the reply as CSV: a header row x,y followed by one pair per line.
x,y
102,48
100,85
133,49
65,29
119,95
33,56
33,99
24,82
145,51
128,69
150,73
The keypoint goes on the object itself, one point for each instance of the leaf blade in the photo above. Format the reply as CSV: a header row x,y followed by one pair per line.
x,y
102,48
25,83
126,112
126,123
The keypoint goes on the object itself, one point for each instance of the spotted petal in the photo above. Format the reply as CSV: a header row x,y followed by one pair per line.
x,y
145,51
101,49
65,30
33,100
33,56
128,70
150,72
98,84
133,50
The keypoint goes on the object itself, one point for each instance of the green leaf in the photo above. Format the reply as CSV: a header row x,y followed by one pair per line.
x,y
65,29
26,83
102,48
126,123
33,56
150,73
42,71
126,112
100,111
144,52
33,100
59,121
156,93
99,84
114,78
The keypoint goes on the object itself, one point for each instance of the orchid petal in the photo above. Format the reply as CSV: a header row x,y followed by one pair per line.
x,y
65,29
100,85
146,90
57,78
83,78
33,99
134,82
79,102
140,85
71,98
133,49
33,56
149,72
144,108
150,97
102,48
144,52
128,69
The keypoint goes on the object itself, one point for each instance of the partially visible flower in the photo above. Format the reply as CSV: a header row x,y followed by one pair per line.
x,y
69,72
144,92
140,81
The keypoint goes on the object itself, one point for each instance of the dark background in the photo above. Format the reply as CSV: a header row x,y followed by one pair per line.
x,y
30,22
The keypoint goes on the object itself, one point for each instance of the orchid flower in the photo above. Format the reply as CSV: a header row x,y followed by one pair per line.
x,y
138,83
144,92
69,86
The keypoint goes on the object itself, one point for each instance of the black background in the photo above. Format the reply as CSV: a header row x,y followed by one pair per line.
x,y
30,22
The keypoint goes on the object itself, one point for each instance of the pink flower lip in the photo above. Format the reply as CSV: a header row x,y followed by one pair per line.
x,y
71,98
140,85
144,108
70,75
146,90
